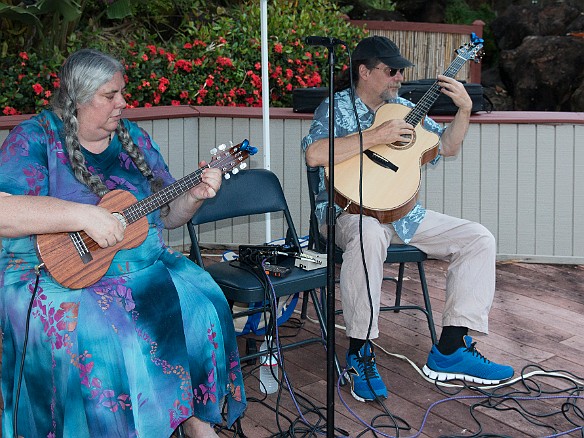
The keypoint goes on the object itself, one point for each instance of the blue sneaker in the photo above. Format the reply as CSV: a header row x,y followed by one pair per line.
x,y
466,363
362,371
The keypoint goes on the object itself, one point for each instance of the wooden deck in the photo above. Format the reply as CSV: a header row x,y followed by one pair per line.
x,y
536,319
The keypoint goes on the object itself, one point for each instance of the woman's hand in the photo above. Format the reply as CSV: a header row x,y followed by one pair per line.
x,y
102,226
210,183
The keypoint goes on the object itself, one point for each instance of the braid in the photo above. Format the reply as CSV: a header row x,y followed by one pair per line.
x,y
76,157
156,184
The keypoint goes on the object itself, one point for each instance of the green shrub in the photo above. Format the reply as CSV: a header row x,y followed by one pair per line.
x,y
208,62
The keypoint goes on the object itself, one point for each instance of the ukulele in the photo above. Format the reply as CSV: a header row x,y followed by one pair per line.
x,y
391,175
76,261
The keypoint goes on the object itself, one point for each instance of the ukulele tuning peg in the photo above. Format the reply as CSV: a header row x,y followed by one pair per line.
x,y
243,166
214,151
222,147
227,175
235,171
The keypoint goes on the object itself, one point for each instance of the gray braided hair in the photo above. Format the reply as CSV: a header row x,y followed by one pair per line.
x,y
82,74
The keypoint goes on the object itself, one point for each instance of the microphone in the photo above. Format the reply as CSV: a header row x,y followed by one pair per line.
x,y
323,41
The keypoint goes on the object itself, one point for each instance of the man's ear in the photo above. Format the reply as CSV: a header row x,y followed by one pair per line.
x,y
364,72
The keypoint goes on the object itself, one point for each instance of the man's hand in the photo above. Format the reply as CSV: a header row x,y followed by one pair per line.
x,y
456,91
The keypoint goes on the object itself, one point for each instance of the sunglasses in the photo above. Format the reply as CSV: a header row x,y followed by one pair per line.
x,y
391,72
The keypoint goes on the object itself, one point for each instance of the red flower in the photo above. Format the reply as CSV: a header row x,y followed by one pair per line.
x,y
225,62
175,102
38,88
188,46
23,55
278,48
145,57
184,95
183,65
9,111
152,49
209,82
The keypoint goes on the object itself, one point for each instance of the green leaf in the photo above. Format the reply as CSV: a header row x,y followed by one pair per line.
x,y
14,13
119,9
70,10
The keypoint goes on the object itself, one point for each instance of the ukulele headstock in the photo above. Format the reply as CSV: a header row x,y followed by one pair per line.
x,y
230,159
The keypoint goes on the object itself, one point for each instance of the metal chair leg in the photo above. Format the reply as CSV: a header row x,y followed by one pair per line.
x,y
398,288
427,303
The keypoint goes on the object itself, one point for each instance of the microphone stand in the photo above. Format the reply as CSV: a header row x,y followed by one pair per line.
x,y
330,295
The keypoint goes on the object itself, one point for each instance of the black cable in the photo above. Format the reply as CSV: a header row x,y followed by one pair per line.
x,y
24,345
534,385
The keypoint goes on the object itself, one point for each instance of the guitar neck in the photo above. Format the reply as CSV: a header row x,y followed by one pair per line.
x,y
164,196
417,113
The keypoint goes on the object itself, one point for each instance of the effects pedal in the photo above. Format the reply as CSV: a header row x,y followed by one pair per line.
x,y
309,260
276,271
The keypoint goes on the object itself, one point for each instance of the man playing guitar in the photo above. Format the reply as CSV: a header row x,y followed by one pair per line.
x,y
470,249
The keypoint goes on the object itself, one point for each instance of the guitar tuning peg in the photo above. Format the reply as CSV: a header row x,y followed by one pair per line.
x,y
243,166
214,151
235,171
222,147
227,175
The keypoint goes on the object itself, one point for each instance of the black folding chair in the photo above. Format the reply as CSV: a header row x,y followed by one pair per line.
x,y
396,253
256,191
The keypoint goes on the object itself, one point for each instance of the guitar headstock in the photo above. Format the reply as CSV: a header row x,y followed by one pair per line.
x,y
231,159
472,50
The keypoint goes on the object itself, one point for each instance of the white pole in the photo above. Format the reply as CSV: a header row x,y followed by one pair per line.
x,y
265,99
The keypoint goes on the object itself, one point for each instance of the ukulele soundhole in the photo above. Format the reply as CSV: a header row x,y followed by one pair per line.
x,y
402,145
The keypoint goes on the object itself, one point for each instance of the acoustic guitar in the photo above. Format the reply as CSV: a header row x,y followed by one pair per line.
x,y
392,174
76,261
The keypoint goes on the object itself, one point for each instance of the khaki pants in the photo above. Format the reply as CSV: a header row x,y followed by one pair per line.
x,y
469,248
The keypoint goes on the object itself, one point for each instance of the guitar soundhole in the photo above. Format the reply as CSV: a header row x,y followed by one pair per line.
x,y
401,145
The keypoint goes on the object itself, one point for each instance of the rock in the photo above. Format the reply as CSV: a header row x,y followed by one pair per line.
x,y
543,73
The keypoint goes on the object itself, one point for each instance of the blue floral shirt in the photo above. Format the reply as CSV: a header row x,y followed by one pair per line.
x,y
345,124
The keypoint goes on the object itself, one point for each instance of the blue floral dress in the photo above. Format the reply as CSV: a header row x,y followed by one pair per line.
x,y
149,345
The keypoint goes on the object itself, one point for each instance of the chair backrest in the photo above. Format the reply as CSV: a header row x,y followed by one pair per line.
x,y
314,240
253,191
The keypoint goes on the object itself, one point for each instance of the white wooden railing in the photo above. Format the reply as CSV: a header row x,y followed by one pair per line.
x,y
520,174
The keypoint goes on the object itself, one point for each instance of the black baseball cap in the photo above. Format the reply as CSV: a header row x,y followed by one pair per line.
x,y
382,48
